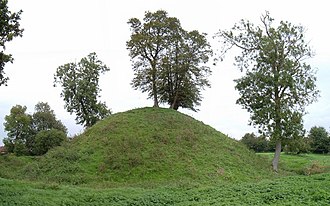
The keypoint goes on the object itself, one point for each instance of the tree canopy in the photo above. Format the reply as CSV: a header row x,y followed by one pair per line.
x,y
278,83
9,28
80,84
18,125
33,134
320,140
44,119
169,63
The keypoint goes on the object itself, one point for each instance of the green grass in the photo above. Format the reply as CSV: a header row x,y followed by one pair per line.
x,y
154,156
294,190
12,167
148,147
304,164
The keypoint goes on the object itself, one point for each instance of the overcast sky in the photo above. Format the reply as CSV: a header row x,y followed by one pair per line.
x,y
63,31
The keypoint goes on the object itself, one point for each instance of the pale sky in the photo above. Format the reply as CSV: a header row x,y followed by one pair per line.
x,y
63,31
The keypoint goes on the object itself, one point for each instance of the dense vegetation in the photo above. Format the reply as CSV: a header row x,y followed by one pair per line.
x,y
317,141
33,134
293,190
146,157
148,146
154,156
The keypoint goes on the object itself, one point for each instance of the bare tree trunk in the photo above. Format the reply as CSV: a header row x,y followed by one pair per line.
x,y
156,101
174,104
154,90
277,155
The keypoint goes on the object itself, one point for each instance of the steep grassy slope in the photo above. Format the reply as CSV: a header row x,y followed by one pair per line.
x,y
149,147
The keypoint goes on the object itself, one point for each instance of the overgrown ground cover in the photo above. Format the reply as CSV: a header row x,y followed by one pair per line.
x,y
293,190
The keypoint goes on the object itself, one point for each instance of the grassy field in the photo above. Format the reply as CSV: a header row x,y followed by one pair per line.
x,y
161,157
303,164
294,190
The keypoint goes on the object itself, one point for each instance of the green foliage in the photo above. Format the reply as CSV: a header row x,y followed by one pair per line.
x,y
47,139
9,28
20,148
81,90
9,144
295,190
149,147
146,46
19,131
12,166
44,119
168,62
33,134
278,84
302,164
320,140
258,144
298,145
182,76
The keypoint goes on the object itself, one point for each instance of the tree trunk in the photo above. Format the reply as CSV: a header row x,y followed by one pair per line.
x,y
175,104
154,91
156,101
277,155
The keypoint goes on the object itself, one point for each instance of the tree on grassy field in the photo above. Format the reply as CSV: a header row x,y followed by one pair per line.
x,y
44,118
19,130
47,139
33,134
147,47
80,83
168,62
298,145
278,84
9,28
256,143
320,140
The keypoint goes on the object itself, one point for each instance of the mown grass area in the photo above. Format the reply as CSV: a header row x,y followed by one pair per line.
x,y
294,190
303,164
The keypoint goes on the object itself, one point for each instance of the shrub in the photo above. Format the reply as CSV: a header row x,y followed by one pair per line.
x,y
20,148
320,140
47,139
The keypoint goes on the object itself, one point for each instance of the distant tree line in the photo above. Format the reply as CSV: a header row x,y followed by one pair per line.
x,y
317,141
33,134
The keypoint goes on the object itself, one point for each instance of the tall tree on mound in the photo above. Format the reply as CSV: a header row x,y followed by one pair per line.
x,y
81,89
166,60
183,72
278,84
9,28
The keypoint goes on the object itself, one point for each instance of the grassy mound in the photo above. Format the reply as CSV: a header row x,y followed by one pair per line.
x,y
149,147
